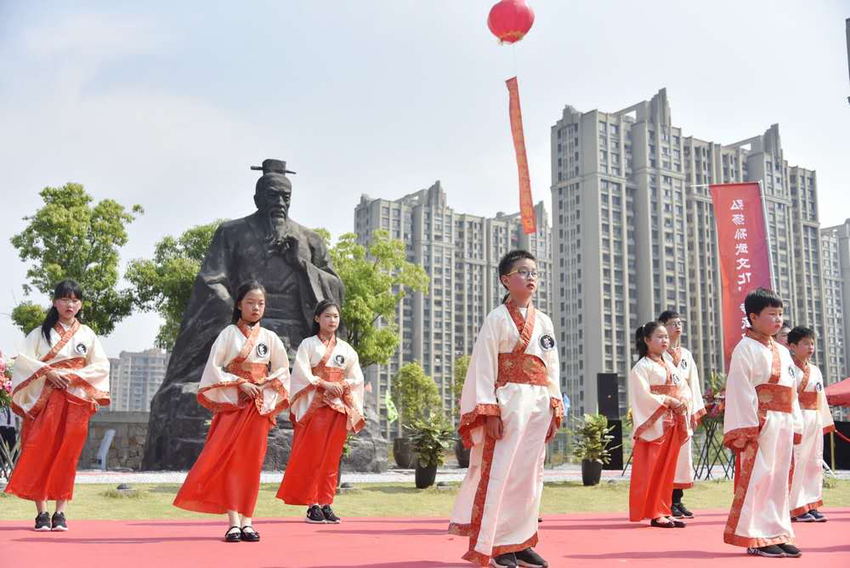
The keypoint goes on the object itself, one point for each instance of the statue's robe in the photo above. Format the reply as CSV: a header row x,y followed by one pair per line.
x,y
240,251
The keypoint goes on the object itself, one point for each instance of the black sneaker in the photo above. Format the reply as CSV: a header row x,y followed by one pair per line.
x,y
804,518
686,514
819,517
504,561
58,522
42,522
315,516
676,511
530,559
790,550
771,551
329,515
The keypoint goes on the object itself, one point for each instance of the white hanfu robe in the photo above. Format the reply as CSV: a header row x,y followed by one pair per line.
x,y
56,421
761,424
659,433
74,352
807,482
342,364
243,354
683,361
513,374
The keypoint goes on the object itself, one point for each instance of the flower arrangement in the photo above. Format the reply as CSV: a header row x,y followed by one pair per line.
x,y
715,396
5,382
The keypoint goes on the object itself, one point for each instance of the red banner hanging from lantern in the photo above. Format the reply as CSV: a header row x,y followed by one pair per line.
x,y
526,203
744,254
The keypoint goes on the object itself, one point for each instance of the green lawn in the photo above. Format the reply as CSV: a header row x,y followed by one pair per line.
x,y
378,500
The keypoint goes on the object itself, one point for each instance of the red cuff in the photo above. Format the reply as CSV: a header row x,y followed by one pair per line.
x,y
475,418
557,405
736,439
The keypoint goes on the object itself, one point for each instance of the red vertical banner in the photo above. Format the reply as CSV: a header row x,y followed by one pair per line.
x,y
526,203
744,254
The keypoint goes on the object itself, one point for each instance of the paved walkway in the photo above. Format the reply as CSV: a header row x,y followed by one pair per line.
x,y
568,472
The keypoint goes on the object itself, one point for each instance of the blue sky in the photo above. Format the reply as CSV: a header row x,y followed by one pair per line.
x,y
167,104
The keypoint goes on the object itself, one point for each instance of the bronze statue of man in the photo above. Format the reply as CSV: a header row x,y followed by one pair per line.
x,y
293,264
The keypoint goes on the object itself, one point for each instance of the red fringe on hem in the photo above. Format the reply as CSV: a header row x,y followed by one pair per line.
x,y
736,540
806,508
480,559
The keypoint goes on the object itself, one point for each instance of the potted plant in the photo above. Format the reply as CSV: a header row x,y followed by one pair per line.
x,y
592,438
430,439
461,366
416,396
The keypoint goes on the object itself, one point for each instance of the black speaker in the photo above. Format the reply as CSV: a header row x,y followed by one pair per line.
x,y
607,395
616,454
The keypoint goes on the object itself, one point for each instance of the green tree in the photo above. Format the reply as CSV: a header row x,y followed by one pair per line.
x,y
28,316
164,283
459,376
415,394
376,279
73,237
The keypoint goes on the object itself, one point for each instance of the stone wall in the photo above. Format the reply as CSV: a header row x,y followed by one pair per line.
x,y
368,449
128,445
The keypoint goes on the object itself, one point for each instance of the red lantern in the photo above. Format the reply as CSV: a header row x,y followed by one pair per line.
x,y
510,20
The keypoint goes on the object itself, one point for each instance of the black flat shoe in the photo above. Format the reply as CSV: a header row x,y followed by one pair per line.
x,y
790,550
663,525
771,551
684,510
249,534
504,561
233,535
529,559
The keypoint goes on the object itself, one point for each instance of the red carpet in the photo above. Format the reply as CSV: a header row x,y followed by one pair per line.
x,y
597,541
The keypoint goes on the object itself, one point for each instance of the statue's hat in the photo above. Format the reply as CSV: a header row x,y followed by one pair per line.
x,y
274,171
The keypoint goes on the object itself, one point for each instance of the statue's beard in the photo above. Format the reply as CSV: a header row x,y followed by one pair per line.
x,y
278,226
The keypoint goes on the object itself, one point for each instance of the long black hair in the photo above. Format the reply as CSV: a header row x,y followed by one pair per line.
x,y
64,289
643,332
506,265
240,295
321,307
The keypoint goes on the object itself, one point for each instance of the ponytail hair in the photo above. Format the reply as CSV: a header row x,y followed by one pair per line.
x,y
65,289
240,295
643,332
321,308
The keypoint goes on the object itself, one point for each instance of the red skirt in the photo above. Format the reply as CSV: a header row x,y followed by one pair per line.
x,y
51,444
226,476
313,468
653,472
